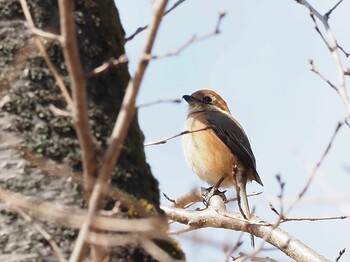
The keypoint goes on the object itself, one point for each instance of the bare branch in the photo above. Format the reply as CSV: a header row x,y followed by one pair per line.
x,y
44,34
109,240
345,53
42,50
347,121
288,219
117,138
319,31
179,2
281,184
32,27
274,210
332,9
311,8
195,196
74,217
138,30
248,195
159,101
341,253
182,231
315,70
234,248
243,257
54,169
165,140
78,86
59,112
211,217
193,39
143,28
332,45
107,65
315,169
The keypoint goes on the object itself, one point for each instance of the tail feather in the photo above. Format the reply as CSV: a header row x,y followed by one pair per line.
x,y
242,200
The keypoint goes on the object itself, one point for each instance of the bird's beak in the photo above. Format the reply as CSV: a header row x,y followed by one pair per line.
x,y
189,99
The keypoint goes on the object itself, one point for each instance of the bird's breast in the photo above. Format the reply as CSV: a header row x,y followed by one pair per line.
x,y
208,156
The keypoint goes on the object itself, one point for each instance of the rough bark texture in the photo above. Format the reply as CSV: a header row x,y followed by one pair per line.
x,y
27,124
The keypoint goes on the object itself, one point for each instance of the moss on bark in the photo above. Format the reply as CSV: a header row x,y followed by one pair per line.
x,y
33,90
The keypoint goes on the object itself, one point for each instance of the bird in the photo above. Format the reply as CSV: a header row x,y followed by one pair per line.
x,y
217,148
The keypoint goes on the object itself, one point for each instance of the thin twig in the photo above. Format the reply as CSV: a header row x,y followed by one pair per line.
x,y
183,230
112,240
280,196
332,45
275,225
231,199
315,169
345,53
193,39
332,9
195,196
59,112
319,31
315,70
274,210
234,248
107,65
73,217
143,28
159,102
347,121
42,33
42,50
117,138
288,219
341,253
173,7
165,140
186,200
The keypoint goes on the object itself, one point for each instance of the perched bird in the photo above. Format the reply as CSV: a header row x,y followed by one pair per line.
x,y
220,153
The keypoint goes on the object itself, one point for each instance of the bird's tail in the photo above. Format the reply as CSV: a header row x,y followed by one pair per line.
x,y
242,199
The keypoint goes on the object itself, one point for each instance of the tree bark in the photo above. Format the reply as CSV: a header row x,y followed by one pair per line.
x,y
32,130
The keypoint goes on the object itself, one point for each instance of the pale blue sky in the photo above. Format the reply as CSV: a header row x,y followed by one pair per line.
x,y
259,65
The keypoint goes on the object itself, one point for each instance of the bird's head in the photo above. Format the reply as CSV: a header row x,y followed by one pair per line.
x,y
205,100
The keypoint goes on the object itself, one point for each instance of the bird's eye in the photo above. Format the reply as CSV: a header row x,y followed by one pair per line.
x,y
207,99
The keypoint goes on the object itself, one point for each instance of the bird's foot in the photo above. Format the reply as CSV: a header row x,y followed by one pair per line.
x,y
207,193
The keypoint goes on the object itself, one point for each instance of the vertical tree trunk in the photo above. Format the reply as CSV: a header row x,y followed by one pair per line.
x,y
33,128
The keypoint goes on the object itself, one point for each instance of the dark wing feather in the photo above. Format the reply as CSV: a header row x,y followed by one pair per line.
x,y
231,133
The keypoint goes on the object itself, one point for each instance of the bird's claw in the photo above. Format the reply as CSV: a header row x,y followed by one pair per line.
x,y
207,193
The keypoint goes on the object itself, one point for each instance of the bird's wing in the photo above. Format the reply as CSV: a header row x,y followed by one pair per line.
x,y
232,134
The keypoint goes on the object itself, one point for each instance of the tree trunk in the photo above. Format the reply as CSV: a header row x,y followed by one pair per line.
x,y
34,130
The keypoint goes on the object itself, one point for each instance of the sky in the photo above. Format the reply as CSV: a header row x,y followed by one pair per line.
x,y
259,65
